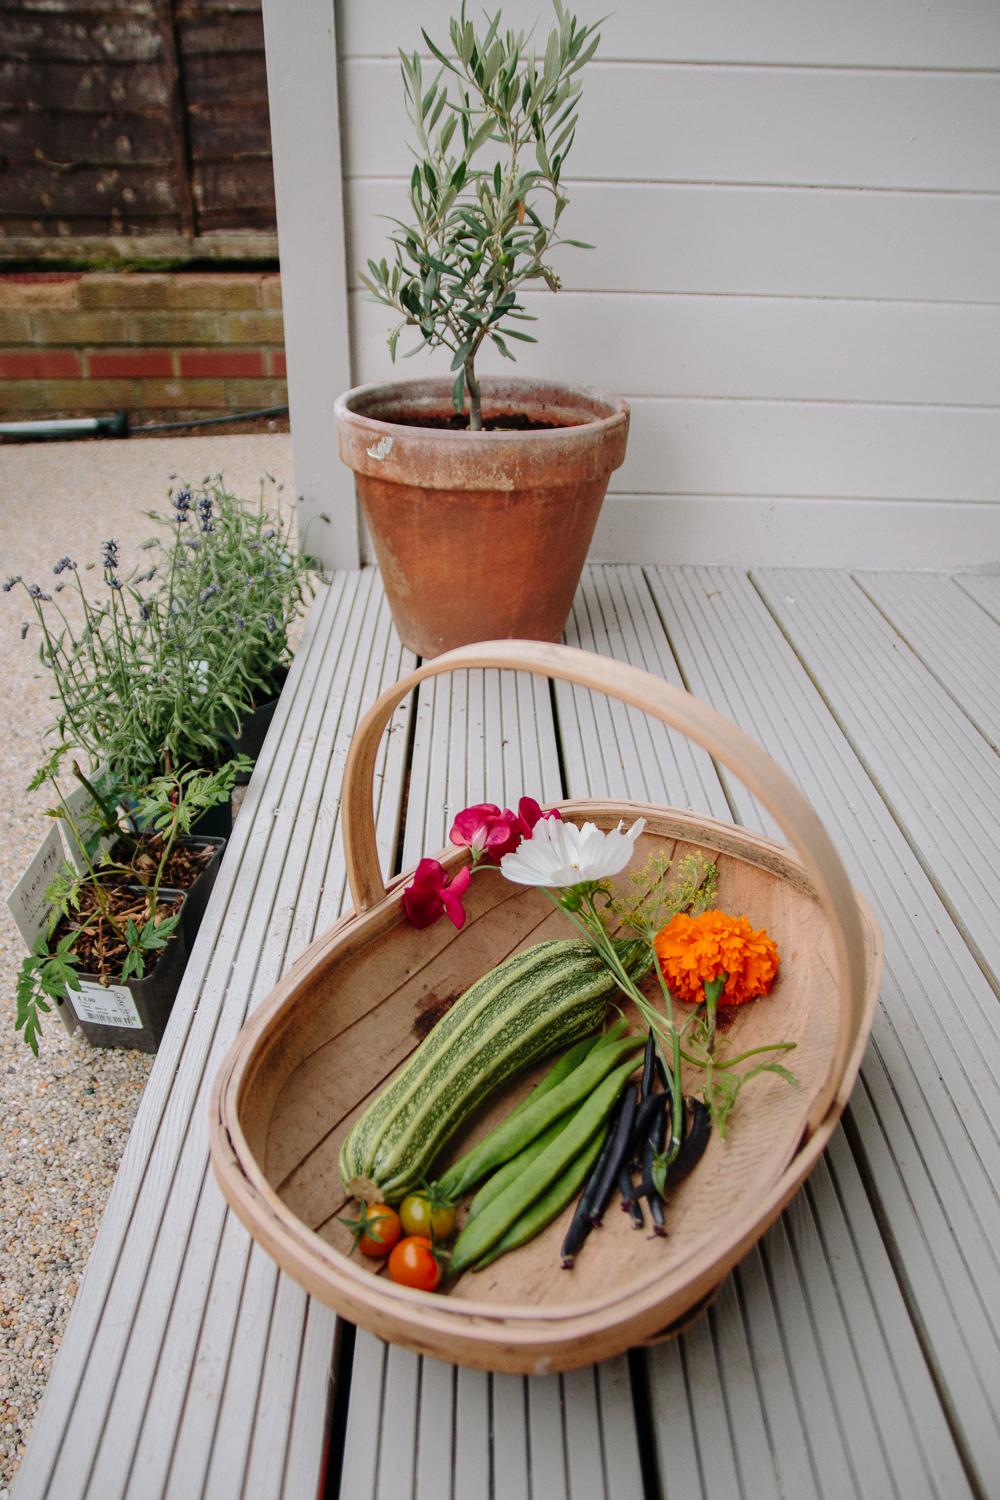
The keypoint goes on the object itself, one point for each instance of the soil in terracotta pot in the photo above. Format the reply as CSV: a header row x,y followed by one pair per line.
x,y
514,421
99,948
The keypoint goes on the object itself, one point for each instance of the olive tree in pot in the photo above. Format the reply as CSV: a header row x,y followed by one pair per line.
x,y
491,484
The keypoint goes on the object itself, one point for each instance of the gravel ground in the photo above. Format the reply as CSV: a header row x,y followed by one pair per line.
x,y
66,1117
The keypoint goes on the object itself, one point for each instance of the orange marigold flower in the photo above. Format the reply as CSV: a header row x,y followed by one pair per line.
x,y
696,950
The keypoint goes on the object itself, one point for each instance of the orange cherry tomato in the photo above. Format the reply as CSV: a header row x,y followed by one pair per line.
x,y
413,1263
382,1230
375,1230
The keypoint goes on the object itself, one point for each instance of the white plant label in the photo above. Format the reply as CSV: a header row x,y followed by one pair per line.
x,y
113,1006
26,901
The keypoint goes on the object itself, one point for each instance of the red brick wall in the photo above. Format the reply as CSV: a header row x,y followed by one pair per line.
x,y
163,345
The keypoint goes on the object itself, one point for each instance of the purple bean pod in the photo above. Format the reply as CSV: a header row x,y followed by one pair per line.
x,y
620,1137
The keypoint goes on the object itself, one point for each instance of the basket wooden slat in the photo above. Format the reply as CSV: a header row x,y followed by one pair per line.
x,y
354,1006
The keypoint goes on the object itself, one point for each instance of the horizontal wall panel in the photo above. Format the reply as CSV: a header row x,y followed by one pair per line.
x,y
860,33
748,532
697,237
803,450
818,127
811,349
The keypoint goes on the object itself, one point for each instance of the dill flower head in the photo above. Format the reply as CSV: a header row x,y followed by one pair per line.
x,y
695,950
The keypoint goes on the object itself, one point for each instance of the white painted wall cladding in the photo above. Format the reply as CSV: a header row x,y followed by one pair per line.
x,y
796,208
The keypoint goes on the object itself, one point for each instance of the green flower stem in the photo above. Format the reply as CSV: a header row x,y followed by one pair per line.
x,y
82,846
771,1047
713,989
597,936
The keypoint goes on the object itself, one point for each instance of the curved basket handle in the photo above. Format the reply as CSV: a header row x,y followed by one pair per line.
x,y
677,709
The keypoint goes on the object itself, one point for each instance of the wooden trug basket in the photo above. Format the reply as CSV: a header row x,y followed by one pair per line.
x,y
357,1002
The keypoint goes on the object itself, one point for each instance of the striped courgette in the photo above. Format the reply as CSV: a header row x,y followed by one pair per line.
x,y
544,998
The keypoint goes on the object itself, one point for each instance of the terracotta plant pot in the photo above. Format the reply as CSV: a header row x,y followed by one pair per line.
x,y
480,536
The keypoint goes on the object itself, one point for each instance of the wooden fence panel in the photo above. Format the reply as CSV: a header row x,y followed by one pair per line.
x,y
133,117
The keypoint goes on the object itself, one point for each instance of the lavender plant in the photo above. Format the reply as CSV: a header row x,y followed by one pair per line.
x,y
178,652
480,233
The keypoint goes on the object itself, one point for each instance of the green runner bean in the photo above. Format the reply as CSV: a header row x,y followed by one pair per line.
x,y
548,1207
494,1186
500,1215
517,1130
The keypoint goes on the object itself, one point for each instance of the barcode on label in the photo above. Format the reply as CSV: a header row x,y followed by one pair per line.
x,y
113,1006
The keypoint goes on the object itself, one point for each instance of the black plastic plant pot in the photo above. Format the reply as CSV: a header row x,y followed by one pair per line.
x,y
133,1015
253,731
217,822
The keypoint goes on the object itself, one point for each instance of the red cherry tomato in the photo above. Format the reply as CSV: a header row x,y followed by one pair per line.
x,y
412,1263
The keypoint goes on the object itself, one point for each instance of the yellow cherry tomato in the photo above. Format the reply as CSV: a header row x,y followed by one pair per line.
x,y
423,1213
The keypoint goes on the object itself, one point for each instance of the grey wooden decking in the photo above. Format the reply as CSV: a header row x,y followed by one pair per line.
x,y
856,1351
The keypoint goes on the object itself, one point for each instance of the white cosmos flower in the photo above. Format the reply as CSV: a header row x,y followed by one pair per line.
x,y
560,854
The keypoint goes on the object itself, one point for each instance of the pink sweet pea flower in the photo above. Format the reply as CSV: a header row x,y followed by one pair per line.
x,y
529,813
487,831
431,894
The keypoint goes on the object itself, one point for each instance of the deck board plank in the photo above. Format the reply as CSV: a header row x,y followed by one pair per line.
x,y
548,1438
609,748
957,641
585,1470
622,1469
933,768
744,1409
984,588
926,1108
130,1331
361,1441
473,1457
397,1453
435,1434
311,1411
481,736
511,1459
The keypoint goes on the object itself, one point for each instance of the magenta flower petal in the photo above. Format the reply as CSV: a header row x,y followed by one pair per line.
x,y
471,828
430,895
529,813
422,910
422,899
451,896
503,837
